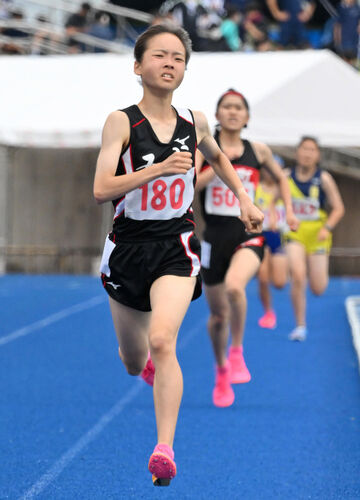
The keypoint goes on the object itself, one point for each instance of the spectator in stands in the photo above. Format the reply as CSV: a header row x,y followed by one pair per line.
x,y
101,28
187,15
256,29
292,15
203,25
230,28
347,29
40,38
160,17
17,36
77,23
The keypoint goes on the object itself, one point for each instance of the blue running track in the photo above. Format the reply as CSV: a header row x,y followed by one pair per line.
x,y
74,425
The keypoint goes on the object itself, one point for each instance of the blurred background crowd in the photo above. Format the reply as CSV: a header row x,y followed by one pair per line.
x,y
48,27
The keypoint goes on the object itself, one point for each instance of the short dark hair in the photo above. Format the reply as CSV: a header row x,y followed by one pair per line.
x,y
158,29
309,138
86,6
233,92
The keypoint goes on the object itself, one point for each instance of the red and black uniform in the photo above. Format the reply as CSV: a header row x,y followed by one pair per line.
x,y
224,232
152,233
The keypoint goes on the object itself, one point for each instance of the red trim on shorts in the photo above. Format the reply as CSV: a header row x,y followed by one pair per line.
x,y
187,255
192,222
258,241
138,123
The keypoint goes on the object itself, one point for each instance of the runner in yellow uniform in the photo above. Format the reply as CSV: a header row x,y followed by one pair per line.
x,y
308,248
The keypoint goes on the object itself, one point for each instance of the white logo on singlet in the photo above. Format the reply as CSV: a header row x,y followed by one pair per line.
x,y
113,285
183,146
149,159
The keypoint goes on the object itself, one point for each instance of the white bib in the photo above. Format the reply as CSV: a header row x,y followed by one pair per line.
x,y
220,200
164,198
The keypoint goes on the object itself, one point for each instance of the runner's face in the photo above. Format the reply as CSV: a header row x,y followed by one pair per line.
x,y
163,63
308,154
232,113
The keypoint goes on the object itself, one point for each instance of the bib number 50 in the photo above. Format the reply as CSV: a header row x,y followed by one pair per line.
x,y
225,197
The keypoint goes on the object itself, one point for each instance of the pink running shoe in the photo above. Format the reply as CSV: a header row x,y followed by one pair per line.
x,y
223,394
162,465
148,372
268,320
239,374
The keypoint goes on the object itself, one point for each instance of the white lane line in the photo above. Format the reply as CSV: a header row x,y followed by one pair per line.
x,y
352,305
68,456
53,318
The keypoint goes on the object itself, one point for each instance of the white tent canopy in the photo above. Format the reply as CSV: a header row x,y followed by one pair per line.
x,y
63,101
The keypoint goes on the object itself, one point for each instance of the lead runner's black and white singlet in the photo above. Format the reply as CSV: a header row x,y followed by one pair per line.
x,y
219,205
162,207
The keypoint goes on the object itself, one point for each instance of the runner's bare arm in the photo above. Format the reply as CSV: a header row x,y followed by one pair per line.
x,y
334,198
250,214
266,158
205,176
116,134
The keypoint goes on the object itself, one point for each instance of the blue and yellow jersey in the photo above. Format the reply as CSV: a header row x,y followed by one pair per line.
x,y
263,200
308,200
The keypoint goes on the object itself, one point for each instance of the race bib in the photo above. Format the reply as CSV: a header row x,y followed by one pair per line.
x,y
220,200
164,198
306,209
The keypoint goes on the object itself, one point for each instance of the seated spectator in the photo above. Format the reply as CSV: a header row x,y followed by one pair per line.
x,y
101,28
347,29
77,23
187,14
230,28
16,34
292,16
209,30
44,39
256,29
160,17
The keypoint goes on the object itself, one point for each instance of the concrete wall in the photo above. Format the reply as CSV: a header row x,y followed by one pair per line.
x,y
50,223
53,222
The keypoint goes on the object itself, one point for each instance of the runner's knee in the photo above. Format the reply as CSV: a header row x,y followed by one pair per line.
x,y
134,364
133,367
161,341
279,282
298,277
235,292
319,287
219,318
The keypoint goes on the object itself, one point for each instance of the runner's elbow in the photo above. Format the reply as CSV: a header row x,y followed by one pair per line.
x,y
99,195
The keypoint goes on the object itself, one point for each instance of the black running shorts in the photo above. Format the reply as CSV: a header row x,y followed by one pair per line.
x,y
219,245
128,269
